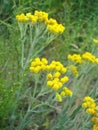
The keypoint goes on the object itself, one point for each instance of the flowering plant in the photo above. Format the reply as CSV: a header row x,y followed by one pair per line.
x,y
38,31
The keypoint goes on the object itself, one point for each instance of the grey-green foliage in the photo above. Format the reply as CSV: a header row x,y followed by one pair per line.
x,y
80,19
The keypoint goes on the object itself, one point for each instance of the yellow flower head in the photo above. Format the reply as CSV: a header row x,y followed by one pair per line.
x,y
95,120
42,16
95,127
49,83
95,41
49,76
38,65
96,60
89,104
32,18
57,74
58,97
88,56
75,57
64,79
51,21
56,28
22,18
67,91
44,61
55,87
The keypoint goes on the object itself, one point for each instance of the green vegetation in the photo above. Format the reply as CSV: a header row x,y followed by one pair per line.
x,y
48,75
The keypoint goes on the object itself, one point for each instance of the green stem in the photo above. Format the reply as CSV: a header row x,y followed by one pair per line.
x,y
22,57
36,83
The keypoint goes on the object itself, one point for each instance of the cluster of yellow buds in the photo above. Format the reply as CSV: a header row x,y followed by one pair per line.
x,y
66,92
57,66
90,57
42,64
91,108
87,56
32,18
22,17
55,70
55,82
95,119
95,127
53,26
95,41
63,93
38,65
42,16
75,57
89,104
51,23
38,16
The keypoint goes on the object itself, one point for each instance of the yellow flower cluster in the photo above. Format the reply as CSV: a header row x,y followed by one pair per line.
x,y
75,57
42,16
66,92
58,97
56,66
95,127
51,24
22,18
42,64
89,104
63,93
38,65
95,41
32,18
95,119
55,80
90,57
38,16
91,108
81,58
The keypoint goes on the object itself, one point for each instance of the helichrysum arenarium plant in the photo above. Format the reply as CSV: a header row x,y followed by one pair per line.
x,y
48,90
37,31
